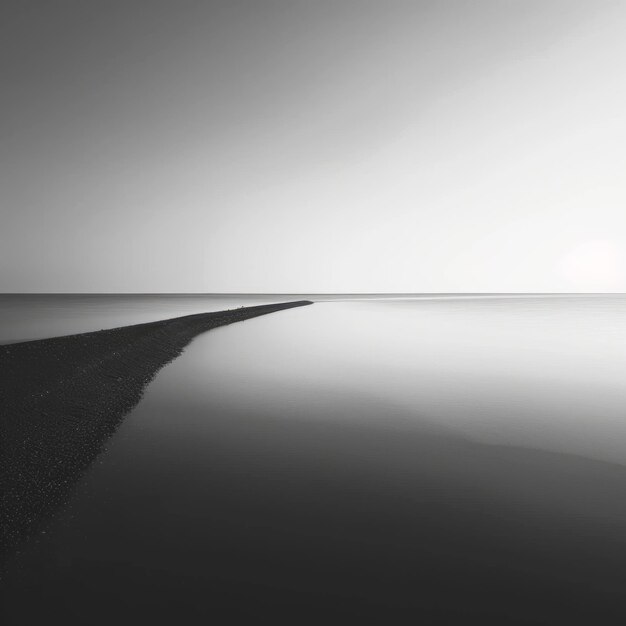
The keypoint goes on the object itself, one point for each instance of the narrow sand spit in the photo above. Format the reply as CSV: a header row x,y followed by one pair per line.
x,y
61,398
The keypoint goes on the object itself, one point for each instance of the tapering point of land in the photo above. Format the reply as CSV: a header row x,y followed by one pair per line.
x,y
63,397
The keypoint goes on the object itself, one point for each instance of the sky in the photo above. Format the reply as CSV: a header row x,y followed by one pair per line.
x,y
297,146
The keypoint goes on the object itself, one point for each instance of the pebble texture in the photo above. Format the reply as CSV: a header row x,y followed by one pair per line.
x,y
61,398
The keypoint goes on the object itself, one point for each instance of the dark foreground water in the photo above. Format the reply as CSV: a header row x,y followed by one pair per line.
x,y
436,461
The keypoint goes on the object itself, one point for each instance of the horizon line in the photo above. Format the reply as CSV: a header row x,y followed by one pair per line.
x,y
312,293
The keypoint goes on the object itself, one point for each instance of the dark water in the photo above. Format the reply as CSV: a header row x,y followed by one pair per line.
x,y
454,460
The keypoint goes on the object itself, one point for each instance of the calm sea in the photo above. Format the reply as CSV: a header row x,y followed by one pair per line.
x,y
437,458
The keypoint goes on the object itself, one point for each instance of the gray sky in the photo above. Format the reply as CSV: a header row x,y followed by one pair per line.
x,y
319,145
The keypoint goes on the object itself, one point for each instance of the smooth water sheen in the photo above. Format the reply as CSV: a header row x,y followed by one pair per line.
x,y
457,457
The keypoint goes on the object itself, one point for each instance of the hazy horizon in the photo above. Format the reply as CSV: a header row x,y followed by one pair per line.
x,y
314,293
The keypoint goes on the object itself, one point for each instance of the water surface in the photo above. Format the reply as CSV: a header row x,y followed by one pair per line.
x,y
386,459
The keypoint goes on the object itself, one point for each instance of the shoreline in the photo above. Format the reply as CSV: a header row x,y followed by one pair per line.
x,y
63,397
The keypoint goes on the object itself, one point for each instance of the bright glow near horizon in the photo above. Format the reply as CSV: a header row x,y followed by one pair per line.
x,y
594,266
328,146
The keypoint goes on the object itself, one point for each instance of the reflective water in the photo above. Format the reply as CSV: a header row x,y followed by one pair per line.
x,y
442,458
37,316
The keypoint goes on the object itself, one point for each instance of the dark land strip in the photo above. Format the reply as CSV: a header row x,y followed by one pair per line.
x,y
62,398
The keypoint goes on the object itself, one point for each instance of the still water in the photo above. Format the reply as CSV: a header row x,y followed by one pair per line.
x,y
440,458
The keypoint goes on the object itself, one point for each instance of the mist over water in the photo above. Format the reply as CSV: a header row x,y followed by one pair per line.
x,y
449,456
24,317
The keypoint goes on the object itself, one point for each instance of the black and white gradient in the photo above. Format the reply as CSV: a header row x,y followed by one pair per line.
x,y
312,146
